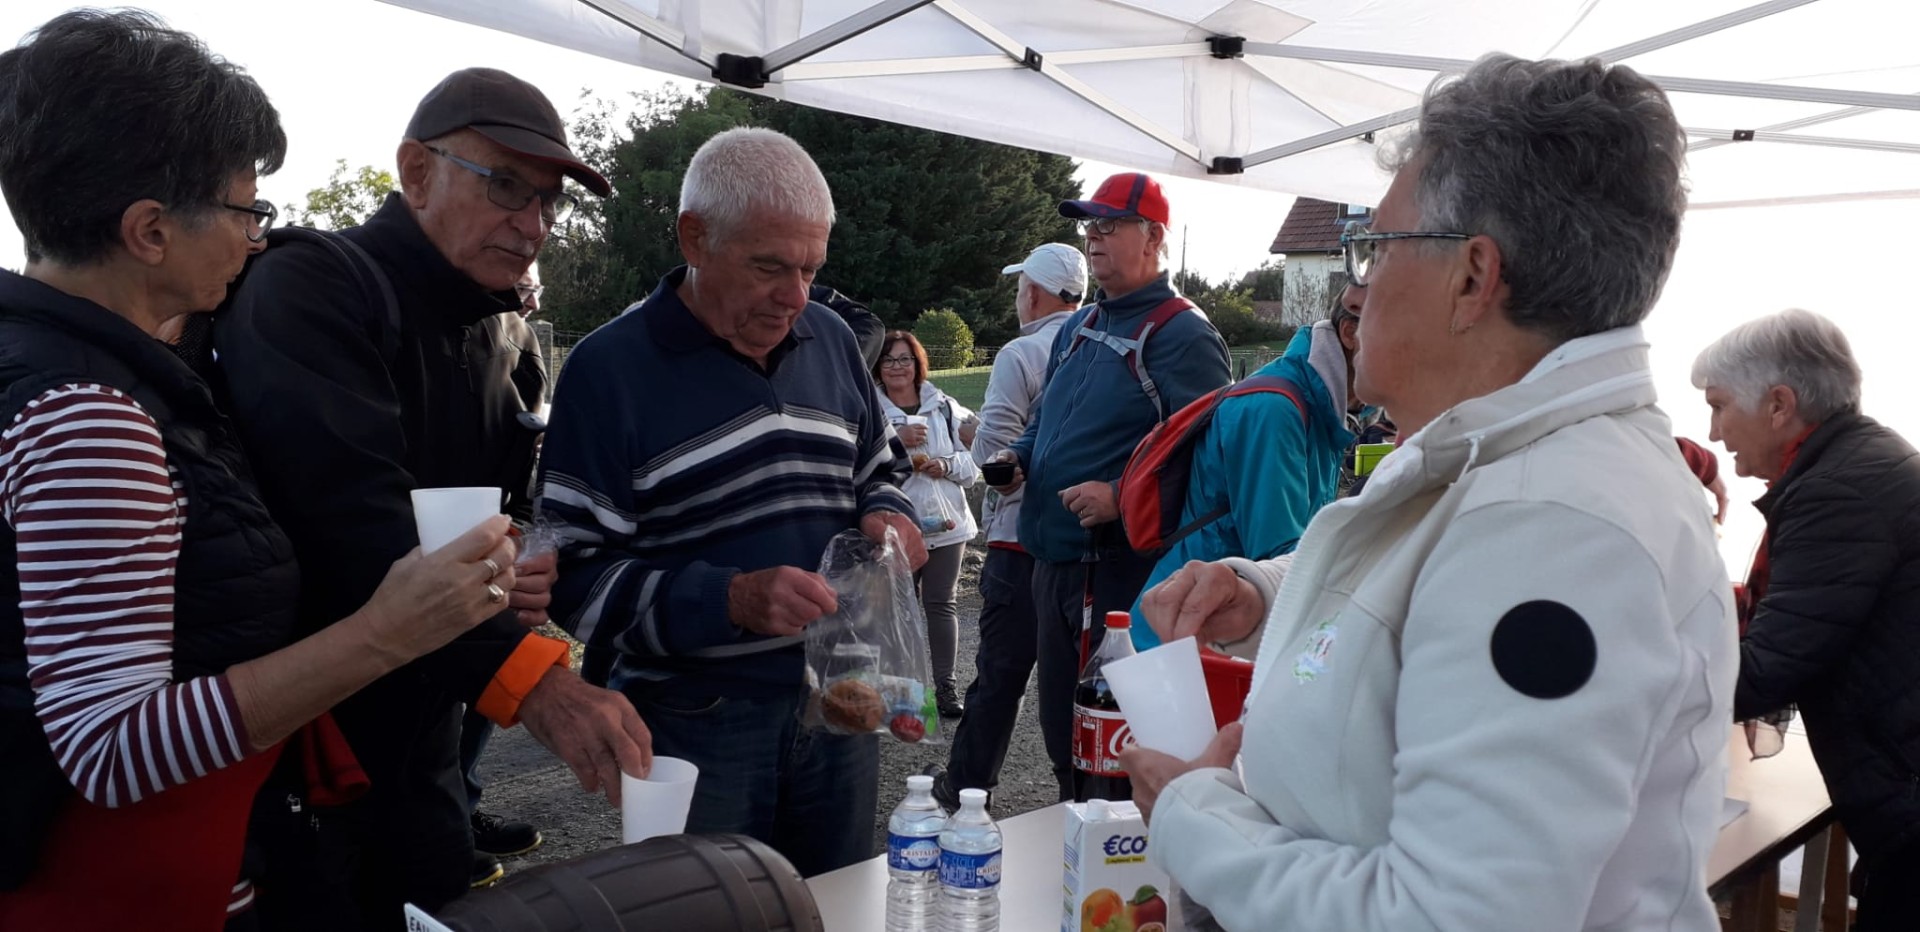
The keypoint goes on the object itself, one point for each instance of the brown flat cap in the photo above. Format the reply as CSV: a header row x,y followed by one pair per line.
x,y
508,111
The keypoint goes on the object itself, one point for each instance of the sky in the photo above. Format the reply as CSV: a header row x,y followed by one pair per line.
x,y
346,75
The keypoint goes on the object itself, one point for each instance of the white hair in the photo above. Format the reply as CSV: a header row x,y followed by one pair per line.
x,y
1799,349
748,169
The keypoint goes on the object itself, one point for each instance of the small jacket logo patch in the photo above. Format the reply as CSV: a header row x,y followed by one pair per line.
x,y
1313,660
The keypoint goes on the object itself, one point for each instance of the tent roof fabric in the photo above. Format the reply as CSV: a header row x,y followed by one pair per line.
x,y
1312,225
1784,100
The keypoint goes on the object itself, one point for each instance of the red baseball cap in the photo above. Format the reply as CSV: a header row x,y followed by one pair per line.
x,y
1128,194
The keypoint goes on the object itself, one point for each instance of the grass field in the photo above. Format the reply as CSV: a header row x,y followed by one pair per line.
x,y
967,386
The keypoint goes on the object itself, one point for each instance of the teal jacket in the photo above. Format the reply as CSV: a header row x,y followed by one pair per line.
x,y
1270,470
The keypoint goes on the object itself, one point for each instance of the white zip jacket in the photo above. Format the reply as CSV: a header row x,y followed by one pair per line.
x,y
943,416
1494,690
1013,399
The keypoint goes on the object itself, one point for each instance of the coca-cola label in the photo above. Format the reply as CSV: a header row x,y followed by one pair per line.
x,y
1098,738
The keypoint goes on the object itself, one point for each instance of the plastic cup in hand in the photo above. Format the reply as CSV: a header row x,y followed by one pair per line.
x,y
1163,694
658,804
997,474
444,514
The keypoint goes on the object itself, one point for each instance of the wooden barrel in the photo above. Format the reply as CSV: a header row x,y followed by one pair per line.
x,y
686,883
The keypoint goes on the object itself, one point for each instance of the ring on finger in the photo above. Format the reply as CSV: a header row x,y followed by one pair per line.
x,y
495,594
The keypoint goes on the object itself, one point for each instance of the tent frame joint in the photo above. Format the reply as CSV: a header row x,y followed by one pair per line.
x,y
1227,46
1033,60
749,71
1226,165
1743,135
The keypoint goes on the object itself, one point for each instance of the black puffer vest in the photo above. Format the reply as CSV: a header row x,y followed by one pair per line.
x,y
236,582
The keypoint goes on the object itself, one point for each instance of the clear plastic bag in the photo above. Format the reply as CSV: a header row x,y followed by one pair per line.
x,y
535,539
867,663
929,500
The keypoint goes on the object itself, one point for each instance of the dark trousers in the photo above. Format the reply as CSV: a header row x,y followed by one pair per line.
x,y
475,731
406,841
1888,890
1009,636
1059,602
809,794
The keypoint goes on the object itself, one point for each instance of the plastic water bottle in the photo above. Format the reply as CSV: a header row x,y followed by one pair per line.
x,y
913,859
970,868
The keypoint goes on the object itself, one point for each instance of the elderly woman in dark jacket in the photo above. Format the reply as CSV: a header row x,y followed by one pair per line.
x,y
148,669
1832,616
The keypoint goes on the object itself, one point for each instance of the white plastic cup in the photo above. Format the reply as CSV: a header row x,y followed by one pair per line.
x,y
441,515
1163,694
657,805
915,420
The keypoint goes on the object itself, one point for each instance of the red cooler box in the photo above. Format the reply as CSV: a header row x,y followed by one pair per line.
x,y
1228,681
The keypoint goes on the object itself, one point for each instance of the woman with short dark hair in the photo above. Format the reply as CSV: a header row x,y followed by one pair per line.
x,y
148,669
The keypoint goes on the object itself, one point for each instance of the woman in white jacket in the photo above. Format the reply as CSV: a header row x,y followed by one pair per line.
x,y
1494,691
929,426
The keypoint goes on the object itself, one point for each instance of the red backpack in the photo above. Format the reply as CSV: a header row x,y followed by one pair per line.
x,y
1153,488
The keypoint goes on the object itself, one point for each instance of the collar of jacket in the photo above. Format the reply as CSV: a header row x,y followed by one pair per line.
x,y
1329,361
1603,374
1038,324
417,267
1807,452
27,299
673,326
1138,301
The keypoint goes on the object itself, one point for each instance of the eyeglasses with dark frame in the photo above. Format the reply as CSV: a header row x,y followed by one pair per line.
x,y
263,217
896,362
1105,225
510,193
1358,243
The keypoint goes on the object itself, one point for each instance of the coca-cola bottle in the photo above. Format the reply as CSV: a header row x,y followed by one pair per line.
x,y
1099,730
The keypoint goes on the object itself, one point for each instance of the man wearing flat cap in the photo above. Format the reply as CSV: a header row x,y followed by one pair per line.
x,y
1138,353
375,362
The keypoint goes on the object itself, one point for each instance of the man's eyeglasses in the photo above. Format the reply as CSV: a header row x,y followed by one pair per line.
x,y
896,362
1359,244
1105,225
530,291
510,193
263,217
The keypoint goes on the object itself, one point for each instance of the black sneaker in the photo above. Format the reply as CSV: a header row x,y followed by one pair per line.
x,y
502,837
487,871
943,792
948,701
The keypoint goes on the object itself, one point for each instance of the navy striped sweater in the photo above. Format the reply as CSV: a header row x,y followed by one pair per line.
x,y
672,464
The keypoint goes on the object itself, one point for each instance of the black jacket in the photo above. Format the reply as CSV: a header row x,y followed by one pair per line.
x,y
235,582
1838,630
343,421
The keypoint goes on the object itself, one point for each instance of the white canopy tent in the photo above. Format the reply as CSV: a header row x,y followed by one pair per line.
x,y
1788,100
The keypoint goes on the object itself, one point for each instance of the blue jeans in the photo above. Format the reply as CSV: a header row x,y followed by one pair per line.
x,y
810,795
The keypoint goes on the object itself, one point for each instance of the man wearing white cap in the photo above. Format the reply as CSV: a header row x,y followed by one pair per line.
x,y
1053,278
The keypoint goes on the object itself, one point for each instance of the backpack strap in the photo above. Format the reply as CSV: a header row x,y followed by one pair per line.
x,y
374,282
1250,385
1133,348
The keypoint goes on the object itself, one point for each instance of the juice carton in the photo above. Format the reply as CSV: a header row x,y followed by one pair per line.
x,y
1109,886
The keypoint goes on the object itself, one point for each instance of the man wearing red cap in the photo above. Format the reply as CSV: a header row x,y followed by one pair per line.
x,y
1119,366
375,362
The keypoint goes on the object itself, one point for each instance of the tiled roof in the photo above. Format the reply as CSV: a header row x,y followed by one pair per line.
x,y
1311,226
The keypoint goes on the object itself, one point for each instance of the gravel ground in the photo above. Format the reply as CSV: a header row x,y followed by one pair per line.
x,y
524,781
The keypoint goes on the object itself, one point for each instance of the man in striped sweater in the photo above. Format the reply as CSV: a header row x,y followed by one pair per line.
x,y
704,448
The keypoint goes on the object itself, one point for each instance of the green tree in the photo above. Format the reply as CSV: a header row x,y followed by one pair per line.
x,y
923,219
349,198
947,338
1268,282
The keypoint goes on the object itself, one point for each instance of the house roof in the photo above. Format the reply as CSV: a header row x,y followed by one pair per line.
x,y
1311,226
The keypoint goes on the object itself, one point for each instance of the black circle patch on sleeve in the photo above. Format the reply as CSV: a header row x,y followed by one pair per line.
x,y
1544,649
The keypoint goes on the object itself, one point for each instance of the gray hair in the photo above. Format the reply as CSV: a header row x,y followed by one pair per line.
x,y
748,169
1799,349
1572,167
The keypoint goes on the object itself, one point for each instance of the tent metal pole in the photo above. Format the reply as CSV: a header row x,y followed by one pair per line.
x,y
885,67
1702,28
1789,125
1876,145
1818,95
1340,134
1037,62
864,21
625,14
